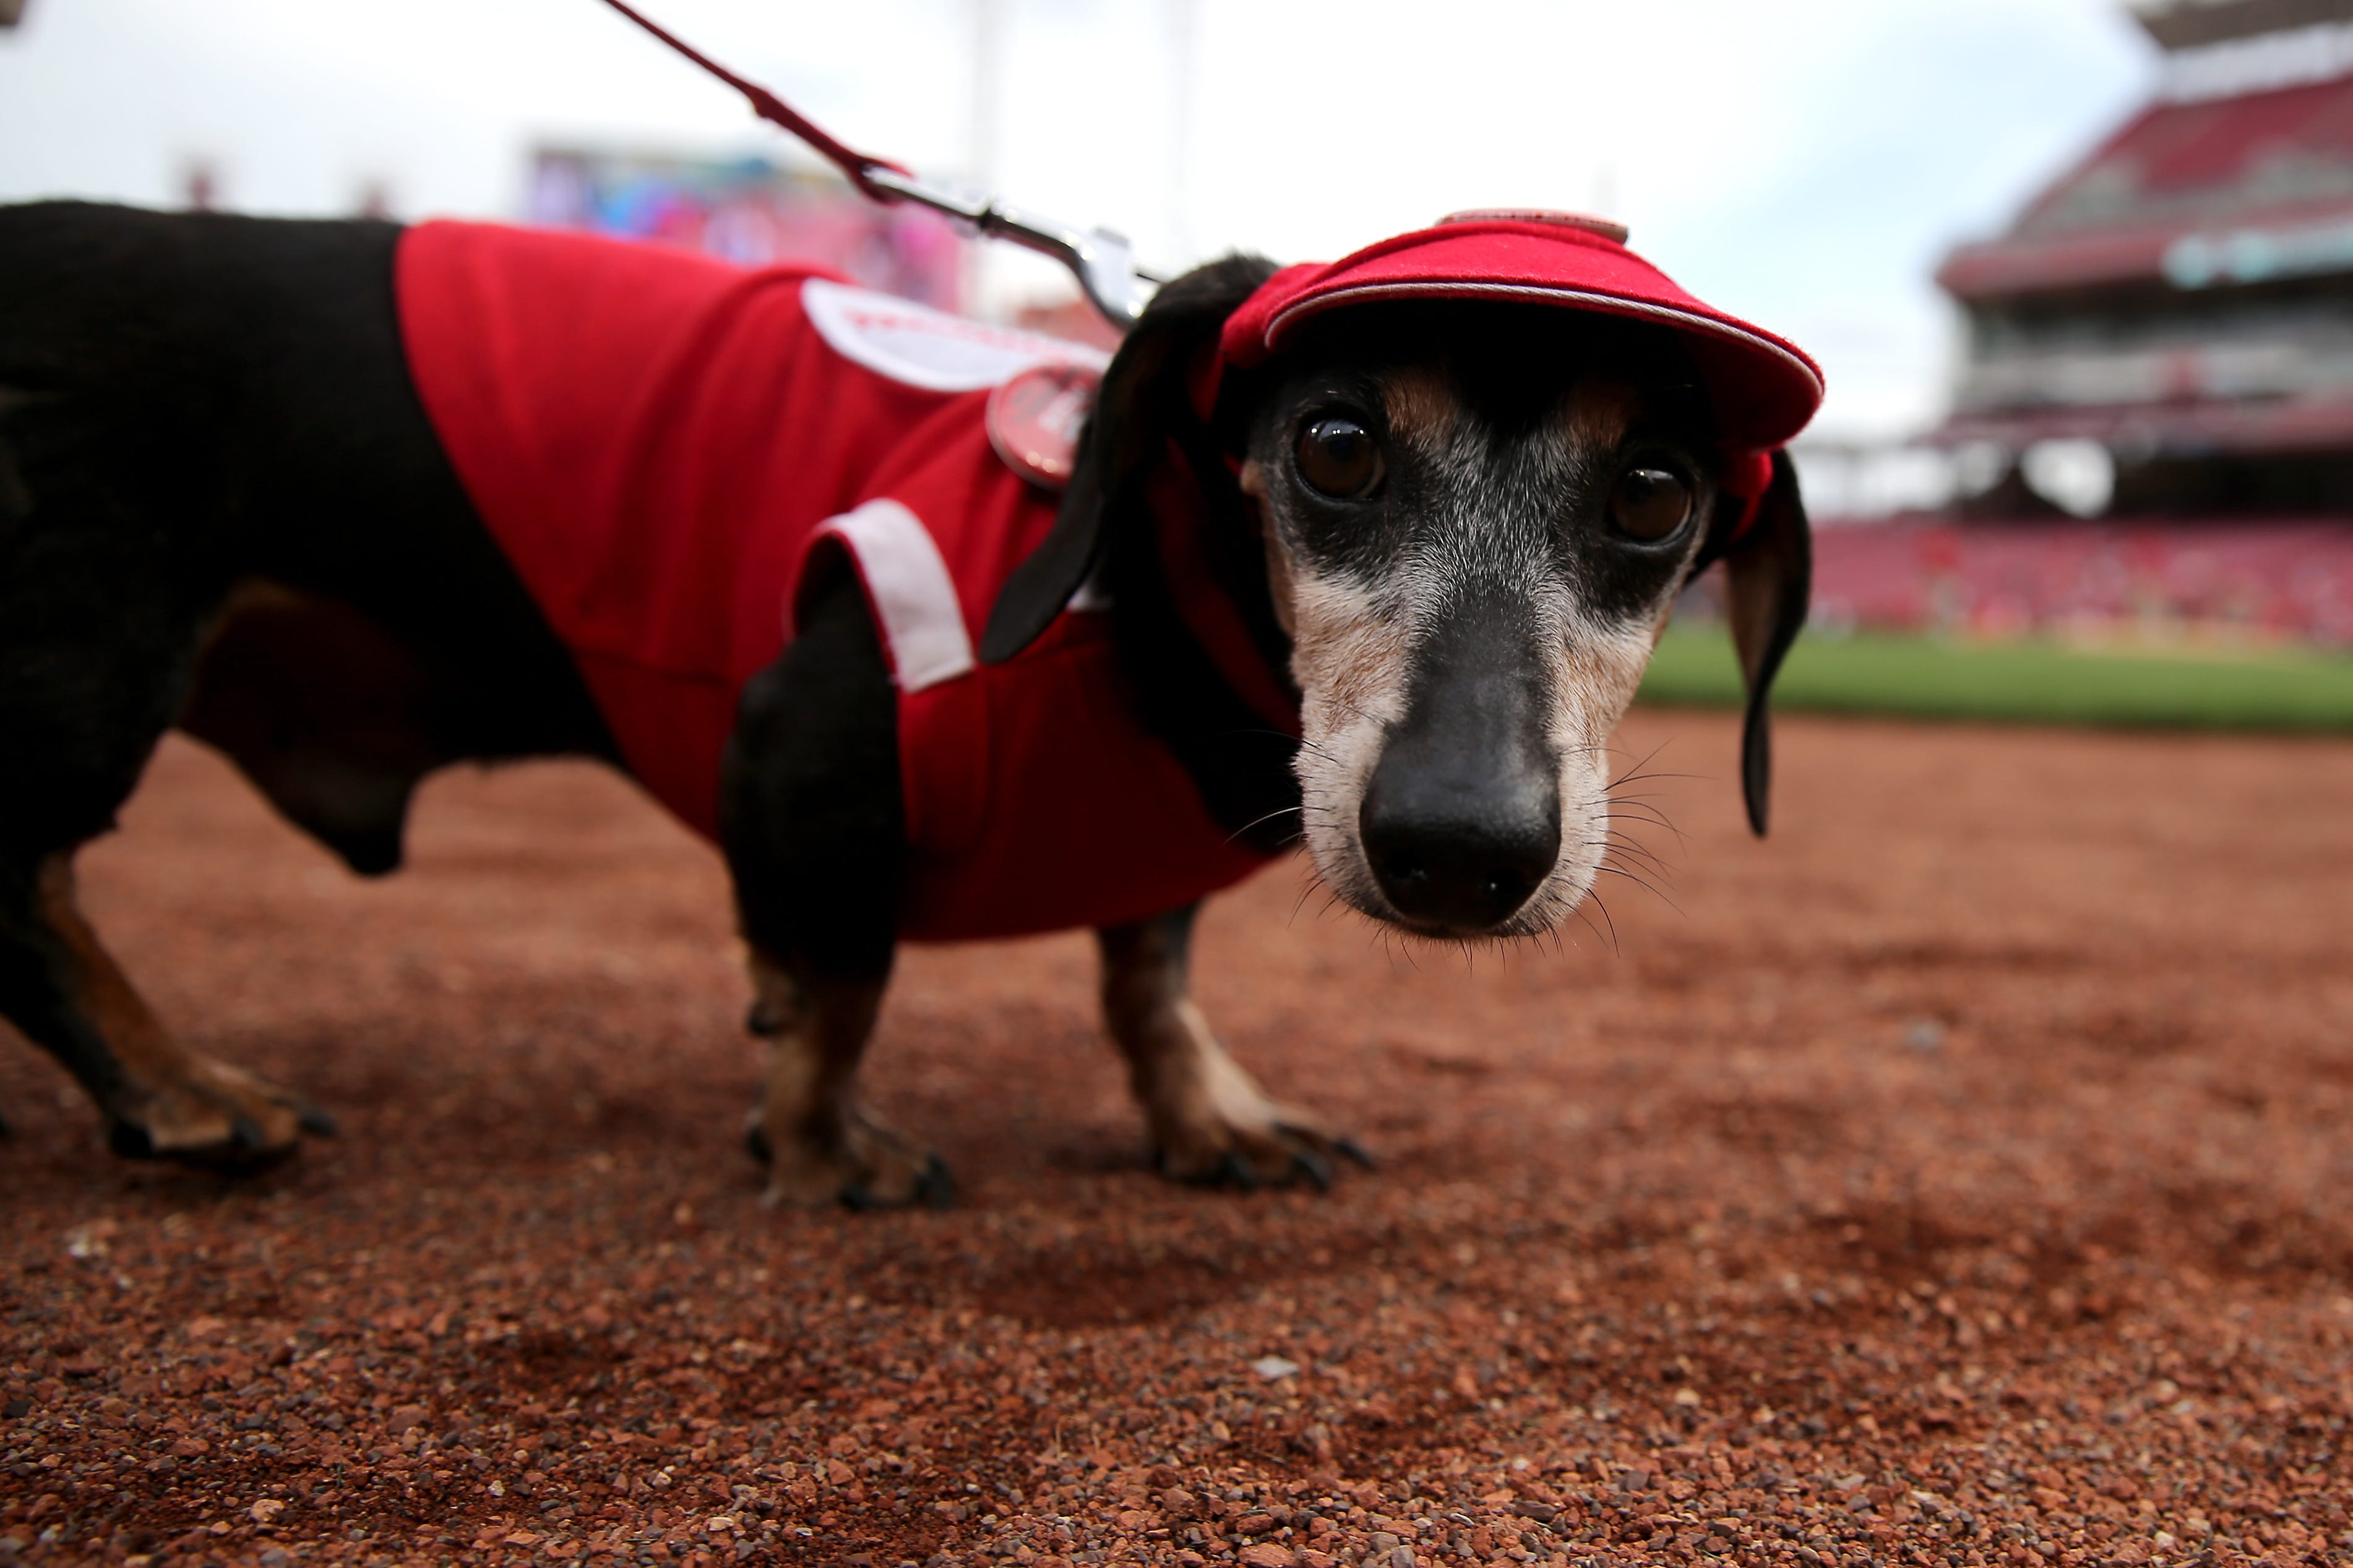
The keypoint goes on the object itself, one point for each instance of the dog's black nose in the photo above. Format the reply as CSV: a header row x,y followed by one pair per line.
x,y
1460,860
1460,820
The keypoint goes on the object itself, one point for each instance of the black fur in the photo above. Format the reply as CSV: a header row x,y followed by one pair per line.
x,y
1105,525
191,400
810,806
1768,577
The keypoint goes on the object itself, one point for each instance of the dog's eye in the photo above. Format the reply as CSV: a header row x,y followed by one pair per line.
x,y
1339,457
1650,504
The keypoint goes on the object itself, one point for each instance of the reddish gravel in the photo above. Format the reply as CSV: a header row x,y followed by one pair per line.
x,y
1962,1178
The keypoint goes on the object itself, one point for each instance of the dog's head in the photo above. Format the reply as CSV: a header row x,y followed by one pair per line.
x,y
1475,516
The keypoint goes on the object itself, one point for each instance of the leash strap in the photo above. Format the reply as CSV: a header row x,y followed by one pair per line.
x,y
858,166
1102,261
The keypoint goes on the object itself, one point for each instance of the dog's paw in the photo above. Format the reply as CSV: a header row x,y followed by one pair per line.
x,y
219,1117
1213,1126
860,1162
1288,1147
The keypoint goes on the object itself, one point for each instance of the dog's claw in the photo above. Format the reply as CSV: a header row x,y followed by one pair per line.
x,y
1298,1157
864,1168
130,1141
213,1116
936,1188
1355,1151
246,1151
317,1122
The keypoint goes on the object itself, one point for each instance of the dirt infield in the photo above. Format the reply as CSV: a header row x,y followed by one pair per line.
x,y
1961,1177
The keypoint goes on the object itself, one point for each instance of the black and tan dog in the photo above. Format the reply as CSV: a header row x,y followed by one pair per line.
x,y
223,507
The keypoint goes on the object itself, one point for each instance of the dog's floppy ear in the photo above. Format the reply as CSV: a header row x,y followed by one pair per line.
x,y
1768,577
1146,399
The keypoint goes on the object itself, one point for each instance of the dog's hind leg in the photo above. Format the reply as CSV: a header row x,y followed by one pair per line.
x,y
815,833
1210,1120
106,583
78,728
63,990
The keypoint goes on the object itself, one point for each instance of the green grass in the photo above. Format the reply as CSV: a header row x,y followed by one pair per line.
x,y
2031,681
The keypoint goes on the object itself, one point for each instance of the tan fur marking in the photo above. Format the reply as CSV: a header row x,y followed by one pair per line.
x,y
1349,657
137,1040
1596,415
1421,407
823,1145
1205,1112
1281,579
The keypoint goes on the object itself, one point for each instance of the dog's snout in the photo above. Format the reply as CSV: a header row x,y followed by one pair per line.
x,y
1461,819
1462,863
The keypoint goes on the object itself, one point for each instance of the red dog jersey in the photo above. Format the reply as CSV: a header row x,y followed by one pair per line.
x,y
662,444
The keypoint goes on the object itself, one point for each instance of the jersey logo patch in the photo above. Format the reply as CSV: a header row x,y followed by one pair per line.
x,y
1034,419
918,346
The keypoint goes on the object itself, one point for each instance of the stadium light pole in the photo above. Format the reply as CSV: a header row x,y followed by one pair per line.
x,y
1183,64
987,22
987,88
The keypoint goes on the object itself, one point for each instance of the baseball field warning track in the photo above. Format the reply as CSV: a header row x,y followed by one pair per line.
x,y
1964,1175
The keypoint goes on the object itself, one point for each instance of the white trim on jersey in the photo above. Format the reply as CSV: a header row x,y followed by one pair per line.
x,y
912,594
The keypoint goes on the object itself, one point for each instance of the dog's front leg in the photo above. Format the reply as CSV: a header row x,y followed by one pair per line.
x,y
815,836
822,1145
1210,1120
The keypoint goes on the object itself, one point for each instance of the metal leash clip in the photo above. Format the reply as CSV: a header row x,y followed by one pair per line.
x,y
1102,262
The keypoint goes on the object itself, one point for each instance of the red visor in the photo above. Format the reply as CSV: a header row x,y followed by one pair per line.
x,y
1763,390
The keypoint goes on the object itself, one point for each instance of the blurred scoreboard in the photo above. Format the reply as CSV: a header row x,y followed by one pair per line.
x,y
750,211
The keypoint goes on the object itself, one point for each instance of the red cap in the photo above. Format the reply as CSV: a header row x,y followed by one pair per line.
x,y
1763,390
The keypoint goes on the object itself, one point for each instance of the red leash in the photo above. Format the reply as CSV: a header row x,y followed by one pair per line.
x,y
857,166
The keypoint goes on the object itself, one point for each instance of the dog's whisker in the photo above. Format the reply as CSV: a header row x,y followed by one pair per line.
x,y
1618,843
1636,811
1585,915
1300,741
1642,762
1309,887
1646,886
1598,902
1279,811
1615,829
1616,785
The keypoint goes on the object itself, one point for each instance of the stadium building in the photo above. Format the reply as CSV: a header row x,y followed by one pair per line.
x,y
2182,298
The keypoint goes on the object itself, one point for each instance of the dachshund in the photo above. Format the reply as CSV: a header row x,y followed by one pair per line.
x,y
1367,557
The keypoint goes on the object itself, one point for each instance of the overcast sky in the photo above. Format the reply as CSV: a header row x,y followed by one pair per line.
x,y
1803,164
